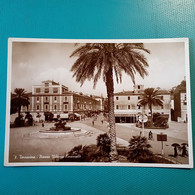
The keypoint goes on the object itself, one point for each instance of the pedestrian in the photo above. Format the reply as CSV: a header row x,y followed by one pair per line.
x,y
150,136
184,151
102,122
43,124
93,122
175,151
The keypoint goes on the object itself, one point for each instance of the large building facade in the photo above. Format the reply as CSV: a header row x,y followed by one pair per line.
x,y
57,99
180,104
127,107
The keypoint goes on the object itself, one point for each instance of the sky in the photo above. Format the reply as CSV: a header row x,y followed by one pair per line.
x,y
34,62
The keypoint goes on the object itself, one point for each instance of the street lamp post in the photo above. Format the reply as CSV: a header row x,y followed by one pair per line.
x,y
142,118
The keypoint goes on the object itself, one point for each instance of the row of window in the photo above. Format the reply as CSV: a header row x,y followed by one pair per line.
x,y
55,98
123,107
128,97
46,107
46,90
82,106
138,97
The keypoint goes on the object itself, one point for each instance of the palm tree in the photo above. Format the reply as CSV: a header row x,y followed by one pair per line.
x,y
19,98
151,98
104,59
139,149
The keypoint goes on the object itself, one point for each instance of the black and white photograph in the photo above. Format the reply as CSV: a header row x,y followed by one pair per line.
x,y
98,103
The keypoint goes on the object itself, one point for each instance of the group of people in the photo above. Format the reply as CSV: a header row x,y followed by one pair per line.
x,y
150,137
184,151
183,148
95,117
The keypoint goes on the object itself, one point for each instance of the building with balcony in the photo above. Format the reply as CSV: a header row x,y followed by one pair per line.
x,y
127,107
57,99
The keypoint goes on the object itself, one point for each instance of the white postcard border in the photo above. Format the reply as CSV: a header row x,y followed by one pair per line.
x,y
164,40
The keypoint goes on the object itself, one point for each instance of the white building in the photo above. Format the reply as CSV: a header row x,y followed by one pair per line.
x,y
127,106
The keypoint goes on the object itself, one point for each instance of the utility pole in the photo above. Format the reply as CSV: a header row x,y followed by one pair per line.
x,y
143,121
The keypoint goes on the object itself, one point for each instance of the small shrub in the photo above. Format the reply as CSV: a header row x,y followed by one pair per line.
x,y
74,155
139,149
148,124
123,151
103,142
29,119
77,150
92,153
160,120
156,115
19,121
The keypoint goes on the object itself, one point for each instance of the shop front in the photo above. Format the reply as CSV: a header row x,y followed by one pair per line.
x,y
125,119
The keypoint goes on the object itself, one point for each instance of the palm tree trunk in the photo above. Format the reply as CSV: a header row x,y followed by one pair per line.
x,y
19,110
111,117
150,107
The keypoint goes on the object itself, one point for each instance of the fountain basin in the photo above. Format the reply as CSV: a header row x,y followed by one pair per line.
x,y
60,131
65,128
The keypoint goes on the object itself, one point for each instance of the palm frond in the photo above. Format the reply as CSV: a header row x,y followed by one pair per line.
x,y
96,59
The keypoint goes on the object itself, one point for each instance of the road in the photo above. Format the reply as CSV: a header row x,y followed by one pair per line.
x,y
176,133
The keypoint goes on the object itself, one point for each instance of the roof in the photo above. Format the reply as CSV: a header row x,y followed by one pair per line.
x,y
160,92
125,93
64,86
95,96
163,92
67,93
50,81
82,95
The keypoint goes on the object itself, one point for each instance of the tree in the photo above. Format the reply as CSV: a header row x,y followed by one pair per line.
x,y
105,59
139,149
29,118
103,142
151,98
19,98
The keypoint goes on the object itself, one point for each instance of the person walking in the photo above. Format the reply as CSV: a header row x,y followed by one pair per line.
x,y
150,136
93,122
184,151
175,151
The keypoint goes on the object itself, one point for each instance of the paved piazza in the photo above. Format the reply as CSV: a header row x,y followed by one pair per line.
x,y
27,144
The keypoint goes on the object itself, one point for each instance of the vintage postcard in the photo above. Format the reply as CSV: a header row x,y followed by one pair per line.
x,y
98,103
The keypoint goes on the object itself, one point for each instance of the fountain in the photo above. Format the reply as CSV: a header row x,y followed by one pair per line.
x,y
60,127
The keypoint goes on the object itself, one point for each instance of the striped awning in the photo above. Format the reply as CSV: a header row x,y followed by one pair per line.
x,y
125,115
